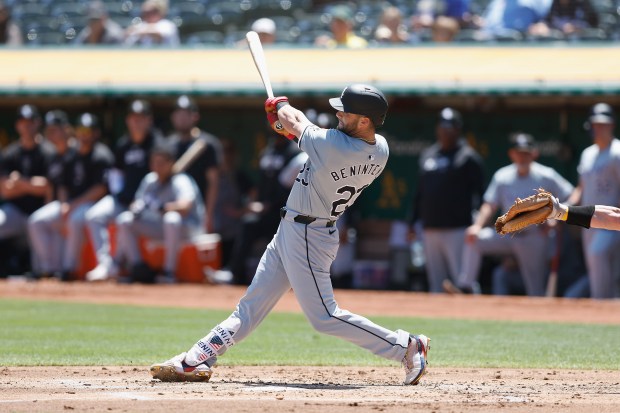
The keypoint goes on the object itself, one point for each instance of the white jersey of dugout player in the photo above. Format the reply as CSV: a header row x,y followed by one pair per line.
x,y
338,169
600,175
506,185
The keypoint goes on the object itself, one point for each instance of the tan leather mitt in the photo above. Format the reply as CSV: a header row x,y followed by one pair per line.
x,y
534,209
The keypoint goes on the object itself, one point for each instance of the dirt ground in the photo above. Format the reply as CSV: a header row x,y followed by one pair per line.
x,y
316,389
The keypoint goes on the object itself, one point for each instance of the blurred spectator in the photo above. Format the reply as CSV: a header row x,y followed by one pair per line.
x,y
391,28
236,189
266,29
10,33
131,165
444,29
427,11
23,182
531,247
167,207
204,170
450,187
83,183
154,29
599,183
100,29
568,17
511,18
341,26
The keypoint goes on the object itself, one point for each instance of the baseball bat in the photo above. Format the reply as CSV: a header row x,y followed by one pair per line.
x,y
256,48
189,156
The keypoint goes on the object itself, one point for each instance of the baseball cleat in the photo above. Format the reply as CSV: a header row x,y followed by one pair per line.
x,y
414,361
176,369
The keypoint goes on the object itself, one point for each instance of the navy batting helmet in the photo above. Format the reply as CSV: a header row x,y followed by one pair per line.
x,y
362,100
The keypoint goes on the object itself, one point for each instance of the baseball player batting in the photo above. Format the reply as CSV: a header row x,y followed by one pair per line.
x,y
341,163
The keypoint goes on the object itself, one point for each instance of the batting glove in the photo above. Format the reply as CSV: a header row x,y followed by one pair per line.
x,y
273,104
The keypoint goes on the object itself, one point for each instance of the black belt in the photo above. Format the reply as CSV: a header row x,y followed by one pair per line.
x,y
305,219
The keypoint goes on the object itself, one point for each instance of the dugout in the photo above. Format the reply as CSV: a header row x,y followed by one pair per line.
x,y
542,89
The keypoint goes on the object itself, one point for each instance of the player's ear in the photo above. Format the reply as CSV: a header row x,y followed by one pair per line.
x,y
365,121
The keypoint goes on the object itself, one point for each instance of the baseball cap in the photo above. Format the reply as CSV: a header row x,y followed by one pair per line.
x,y
187,103
450,118
601,113
56,117
264,25
141,107
341,12
166,150
87,120
362,100
522,142
27,112
96,10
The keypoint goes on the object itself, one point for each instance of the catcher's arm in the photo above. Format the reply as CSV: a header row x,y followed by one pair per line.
x,y
594,216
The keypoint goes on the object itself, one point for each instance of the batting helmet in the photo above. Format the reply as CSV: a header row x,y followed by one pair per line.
x,y
362,100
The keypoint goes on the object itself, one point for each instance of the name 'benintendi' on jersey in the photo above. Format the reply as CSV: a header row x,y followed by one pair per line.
x,y
338,169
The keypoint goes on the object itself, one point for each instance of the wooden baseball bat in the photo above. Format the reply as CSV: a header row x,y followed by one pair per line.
x,y
256,48
190,155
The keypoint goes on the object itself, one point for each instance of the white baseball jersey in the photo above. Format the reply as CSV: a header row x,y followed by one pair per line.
x,y
506,185
338,169
599,172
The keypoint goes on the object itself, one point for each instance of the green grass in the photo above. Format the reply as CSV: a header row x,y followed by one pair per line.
x,y
51,333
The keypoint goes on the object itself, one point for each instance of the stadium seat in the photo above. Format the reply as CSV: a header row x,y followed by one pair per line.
x,y
225,14
590,35
44,36
27,14
208,37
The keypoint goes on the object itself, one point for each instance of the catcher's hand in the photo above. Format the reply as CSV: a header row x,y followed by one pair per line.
x,y
535,209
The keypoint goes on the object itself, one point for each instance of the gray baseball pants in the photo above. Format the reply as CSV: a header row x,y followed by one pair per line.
x,y
443,250
299,257
168,227
531,249
98,217
600,248
13,221
45,228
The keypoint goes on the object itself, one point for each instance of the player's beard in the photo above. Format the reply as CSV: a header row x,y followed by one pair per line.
x,y
349,129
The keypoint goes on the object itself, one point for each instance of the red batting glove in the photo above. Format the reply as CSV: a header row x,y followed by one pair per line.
x,y
275,103
276,125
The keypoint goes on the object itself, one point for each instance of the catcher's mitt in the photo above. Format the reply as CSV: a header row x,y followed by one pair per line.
x,y
535,209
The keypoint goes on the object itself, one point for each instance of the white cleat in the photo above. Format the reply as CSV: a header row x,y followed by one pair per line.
x,y
100,273
414,361
176,369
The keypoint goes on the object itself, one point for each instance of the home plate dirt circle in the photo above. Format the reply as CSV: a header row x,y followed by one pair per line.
x,y
308,389
234,389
